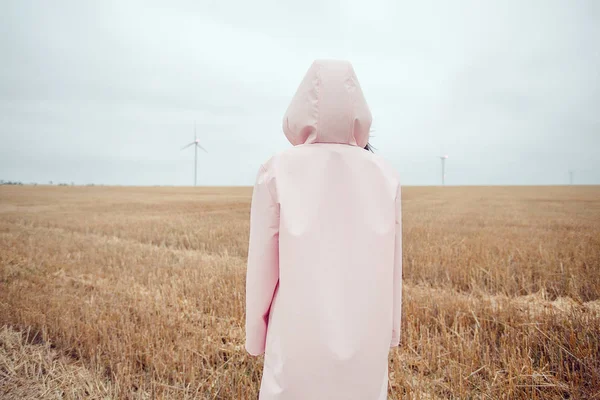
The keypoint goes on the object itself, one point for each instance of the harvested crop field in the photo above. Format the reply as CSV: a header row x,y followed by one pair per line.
x,y
138,293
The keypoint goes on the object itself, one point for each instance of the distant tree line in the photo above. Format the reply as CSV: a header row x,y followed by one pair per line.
x,y
3,182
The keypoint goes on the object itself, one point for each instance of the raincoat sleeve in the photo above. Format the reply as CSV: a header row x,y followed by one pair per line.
x,y
397,307
262,273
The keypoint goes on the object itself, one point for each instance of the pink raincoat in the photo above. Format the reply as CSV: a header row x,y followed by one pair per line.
x,y
324,278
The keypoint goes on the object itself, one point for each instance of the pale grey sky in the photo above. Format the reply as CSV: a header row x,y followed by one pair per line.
x,y
108,91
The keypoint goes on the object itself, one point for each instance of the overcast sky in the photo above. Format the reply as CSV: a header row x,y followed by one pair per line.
x,y
108,91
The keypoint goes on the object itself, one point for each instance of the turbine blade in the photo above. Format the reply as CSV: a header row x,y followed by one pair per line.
x,y
187,145
198,144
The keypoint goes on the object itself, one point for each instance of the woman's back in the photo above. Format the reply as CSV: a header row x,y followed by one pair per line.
x,y
324,266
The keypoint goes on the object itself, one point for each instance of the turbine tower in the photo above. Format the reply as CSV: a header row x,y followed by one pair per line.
x,y
443,158
196,144
571,173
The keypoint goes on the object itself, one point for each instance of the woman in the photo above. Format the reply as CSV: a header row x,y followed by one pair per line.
x,y
324,277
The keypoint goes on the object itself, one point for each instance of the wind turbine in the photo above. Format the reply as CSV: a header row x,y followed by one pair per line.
x,y
196,144
444,158
571,173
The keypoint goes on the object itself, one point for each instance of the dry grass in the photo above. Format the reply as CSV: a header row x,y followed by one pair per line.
x,y
32,369
139,293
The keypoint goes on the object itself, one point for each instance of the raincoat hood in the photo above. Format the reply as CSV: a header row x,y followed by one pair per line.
x,y
328,107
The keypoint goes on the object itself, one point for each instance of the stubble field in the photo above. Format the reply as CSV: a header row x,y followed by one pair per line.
x,y
138,293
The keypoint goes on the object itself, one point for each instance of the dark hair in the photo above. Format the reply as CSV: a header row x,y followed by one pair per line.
x,y
369,147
